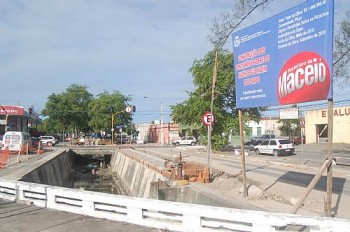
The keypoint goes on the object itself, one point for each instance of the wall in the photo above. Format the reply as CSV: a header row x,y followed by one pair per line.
x,y
56,171
134,176
268,125
162,215
341,124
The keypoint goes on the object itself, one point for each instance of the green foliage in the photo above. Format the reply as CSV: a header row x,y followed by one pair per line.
x,y
76,109
68,110
100,113
289,127
191,110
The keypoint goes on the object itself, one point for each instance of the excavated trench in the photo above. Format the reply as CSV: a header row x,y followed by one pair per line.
x,y
93,174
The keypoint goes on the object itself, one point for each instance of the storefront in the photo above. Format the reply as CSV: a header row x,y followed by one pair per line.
x,y
15,118
316,125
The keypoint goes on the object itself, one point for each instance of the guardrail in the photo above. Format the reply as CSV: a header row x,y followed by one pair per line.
x,y
172,216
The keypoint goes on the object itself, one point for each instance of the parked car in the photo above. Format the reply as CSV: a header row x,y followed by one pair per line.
x,y
298,140
48,140
35,141
260,139
16,140
187,140
275,147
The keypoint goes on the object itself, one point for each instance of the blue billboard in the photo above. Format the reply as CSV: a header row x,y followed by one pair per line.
x,y
286,59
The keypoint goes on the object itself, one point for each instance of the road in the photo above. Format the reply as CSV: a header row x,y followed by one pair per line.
x,y
301,175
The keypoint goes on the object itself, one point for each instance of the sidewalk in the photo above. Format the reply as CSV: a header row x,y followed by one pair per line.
x,y
280,192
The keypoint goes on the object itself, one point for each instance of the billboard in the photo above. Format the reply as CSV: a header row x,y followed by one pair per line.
x,y
289,113
286,59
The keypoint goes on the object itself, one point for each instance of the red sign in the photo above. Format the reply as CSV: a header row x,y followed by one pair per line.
x,y
207,118
305,77
11,110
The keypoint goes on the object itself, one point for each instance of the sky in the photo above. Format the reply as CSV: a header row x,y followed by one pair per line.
x,y
141,48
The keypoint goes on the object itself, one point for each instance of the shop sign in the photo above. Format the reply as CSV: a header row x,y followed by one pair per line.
x,y
11,110
337,112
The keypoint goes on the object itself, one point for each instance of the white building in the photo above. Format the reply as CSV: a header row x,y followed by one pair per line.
x,y
267,125
316,125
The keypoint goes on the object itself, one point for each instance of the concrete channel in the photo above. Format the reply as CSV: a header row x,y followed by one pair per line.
x,y
134,171
117,171
126,170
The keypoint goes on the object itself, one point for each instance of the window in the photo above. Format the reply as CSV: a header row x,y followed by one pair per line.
x,y
13,137
283,141
265,142
273,142
258,131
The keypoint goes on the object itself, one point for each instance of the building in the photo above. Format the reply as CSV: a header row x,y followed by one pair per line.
x,y
266,125
316,125
152,133
16,118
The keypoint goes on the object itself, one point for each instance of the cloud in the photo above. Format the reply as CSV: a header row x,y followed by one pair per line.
x,y
140,48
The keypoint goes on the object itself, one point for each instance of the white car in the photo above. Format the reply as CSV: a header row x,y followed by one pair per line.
x,y
48,140
1,140
275,147
187,140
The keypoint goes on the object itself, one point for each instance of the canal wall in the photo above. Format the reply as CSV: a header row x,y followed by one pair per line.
x,y
141,175
135,175
57,171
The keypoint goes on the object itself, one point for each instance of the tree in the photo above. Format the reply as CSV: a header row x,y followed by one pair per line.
x,y
289,127
342,53
223,26
100,111
190,111
68,110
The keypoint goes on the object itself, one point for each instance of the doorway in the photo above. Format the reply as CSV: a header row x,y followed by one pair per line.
x,y
321,133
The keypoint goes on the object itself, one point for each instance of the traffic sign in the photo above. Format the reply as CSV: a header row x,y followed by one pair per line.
x,y
207,118
128,109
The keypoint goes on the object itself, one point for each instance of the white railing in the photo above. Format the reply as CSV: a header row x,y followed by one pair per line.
x,y
160,214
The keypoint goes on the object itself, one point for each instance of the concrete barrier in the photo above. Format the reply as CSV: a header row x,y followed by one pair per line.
x,y
160,214
136,176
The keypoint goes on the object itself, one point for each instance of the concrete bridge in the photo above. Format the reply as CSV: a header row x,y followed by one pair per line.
x,y
32,184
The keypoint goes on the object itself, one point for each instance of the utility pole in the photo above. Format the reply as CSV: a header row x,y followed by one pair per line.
x,y
161,125
112,129
215,73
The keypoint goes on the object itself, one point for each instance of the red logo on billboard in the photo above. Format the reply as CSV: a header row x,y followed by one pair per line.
x,y
305,77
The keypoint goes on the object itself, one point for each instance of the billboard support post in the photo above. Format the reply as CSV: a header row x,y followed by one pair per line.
x,y
328,207
242,154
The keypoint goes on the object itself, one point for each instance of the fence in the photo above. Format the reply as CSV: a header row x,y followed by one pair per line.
x,y
160,214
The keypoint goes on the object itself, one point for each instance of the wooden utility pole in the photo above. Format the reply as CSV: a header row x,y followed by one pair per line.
x,y
215,74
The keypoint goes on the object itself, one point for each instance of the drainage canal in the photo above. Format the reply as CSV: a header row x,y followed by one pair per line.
x,y
92,174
